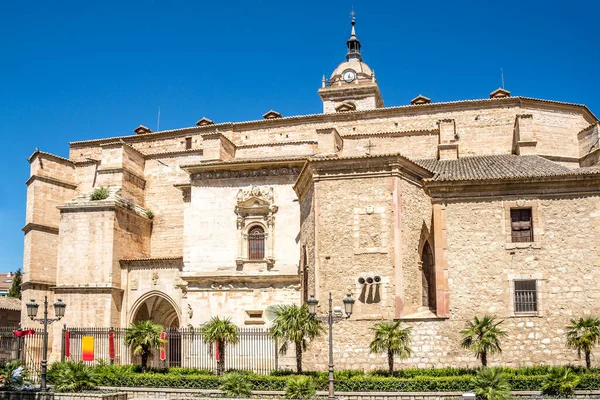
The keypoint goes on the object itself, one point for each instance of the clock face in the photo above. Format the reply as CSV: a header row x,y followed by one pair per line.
x,y
349,76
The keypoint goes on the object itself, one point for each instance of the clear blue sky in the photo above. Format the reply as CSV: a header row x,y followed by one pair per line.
x,y
81,70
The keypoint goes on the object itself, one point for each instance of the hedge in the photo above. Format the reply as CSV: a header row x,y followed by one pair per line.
x,y
408,380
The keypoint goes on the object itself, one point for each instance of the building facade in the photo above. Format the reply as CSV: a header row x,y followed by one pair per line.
x,y
432,213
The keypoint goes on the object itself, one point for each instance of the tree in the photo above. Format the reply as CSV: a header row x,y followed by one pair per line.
x,y
390,338
583,335
144,336
293,324
15,288
482,337
220,331
491,384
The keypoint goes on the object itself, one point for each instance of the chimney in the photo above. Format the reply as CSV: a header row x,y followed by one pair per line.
x,y
499,93
140,130
420,99
205,121
271,115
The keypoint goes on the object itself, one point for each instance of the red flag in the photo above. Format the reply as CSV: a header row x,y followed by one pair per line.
x,y
20,333
163,350
111,345
67,345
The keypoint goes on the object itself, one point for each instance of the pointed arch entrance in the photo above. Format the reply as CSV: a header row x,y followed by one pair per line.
x,y
161,309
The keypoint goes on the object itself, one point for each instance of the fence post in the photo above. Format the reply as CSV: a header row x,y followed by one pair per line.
x,y
276,355
62,343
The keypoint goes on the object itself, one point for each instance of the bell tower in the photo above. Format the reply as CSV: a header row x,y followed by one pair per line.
x,y
352,85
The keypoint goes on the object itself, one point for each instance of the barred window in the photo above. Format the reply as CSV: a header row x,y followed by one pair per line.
x,y
256,243
526,296
521,225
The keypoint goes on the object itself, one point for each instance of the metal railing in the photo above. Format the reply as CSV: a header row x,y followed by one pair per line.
x,y
256,351
27,348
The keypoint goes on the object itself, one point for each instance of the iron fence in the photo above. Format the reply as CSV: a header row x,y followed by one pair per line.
x,y
27,348
256,350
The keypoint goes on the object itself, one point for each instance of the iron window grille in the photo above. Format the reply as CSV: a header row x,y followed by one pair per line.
x,y
256,243
526,296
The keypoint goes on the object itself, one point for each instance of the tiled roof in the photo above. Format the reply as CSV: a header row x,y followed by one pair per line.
x,y
10,303
498,167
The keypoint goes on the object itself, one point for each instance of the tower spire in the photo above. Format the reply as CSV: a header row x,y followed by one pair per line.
x,y
353,43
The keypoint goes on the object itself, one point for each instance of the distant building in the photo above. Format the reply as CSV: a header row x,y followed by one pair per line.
x,y
10,311
428,212
6,279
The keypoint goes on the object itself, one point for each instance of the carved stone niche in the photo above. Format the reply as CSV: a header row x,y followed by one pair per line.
x,y
255,207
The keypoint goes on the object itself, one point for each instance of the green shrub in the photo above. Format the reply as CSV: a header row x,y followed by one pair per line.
x,y
491,384
100,193
12,374
300,388
282,372
189,371
235,384
560,381
73,377
149,214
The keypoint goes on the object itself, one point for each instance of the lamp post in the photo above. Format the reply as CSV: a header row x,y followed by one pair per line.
x,y
59,312
330,318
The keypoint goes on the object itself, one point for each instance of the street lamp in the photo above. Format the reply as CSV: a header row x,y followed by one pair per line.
x,y
59,312
312,303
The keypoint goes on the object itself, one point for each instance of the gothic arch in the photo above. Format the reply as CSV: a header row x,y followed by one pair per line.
x,y
428,289
158,307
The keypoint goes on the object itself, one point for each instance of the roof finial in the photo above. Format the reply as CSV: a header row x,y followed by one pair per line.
x,y
353,43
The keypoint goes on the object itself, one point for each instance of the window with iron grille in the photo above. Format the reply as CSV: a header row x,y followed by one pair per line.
x,y
521,225
526,296
256,243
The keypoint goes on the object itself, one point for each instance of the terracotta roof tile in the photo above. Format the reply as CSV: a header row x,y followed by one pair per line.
x,y
498,167
10,303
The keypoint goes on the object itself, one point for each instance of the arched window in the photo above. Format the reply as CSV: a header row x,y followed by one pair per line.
x,y
256,243
428,278
304,275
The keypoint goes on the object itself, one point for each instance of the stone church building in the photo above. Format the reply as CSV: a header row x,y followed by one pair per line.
x,y
431,213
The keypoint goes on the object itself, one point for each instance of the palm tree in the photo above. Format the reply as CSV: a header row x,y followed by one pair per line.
x,y
482,337
491,384
221,332
293,324
390,338
583,335
144,336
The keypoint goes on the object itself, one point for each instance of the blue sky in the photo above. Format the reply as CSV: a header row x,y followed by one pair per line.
x,y
81,70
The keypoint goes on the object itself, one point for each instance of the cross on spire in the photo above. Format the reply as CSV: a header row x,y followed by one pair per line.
x,y
353,43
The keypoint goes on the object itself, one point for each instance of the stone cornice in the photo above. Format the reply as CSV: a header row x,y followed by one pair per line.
x,y
40,227
334,168
170,262
515,101
176,153
415,132
291,142
219,173
226,277
54,157
105,205
128,175
52,181
86,288
566,185
29,283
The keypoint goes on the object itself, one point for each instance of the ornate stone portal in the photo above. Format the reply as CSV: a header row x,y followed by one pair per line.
x,y
255,208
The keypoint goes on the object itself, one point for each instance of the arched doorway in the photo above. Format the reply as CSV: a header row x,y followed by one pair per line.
x,y
160,309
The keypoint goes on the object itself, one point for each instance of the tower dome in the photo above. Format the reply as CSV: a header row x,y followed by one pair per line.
x,y
352,85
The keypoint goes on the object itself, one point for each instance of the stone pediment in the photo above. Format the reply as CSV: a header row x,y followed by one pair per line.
x,y
256,200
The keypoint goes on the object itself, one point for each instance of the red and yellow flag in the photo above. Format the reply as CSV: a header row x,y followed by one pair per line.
x,y
87,348
163,348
